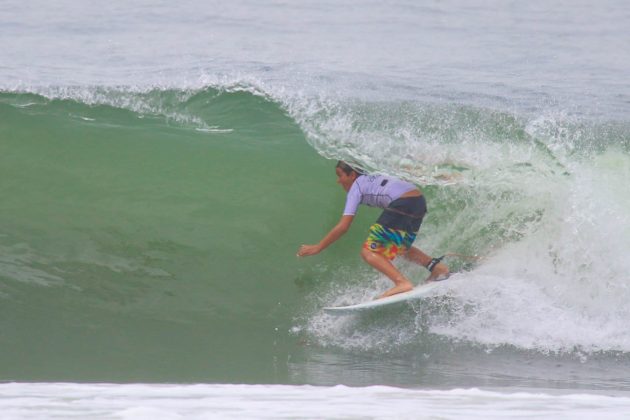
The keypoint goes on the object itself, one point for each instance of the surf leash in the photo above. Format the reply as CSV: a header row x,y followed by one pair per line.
x,y
466,257
437,260
434,262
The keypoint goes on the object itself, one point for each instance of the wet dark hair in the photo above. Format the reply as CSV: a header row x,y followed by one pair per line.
x,y
347,169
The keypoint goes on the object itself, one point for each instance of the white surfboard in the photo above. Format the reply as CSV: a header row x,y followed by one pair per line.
x,y
417,292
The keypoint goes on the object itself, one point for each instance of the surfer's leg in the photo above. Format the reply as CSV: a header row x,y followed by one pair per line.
x,y
439,272
382,264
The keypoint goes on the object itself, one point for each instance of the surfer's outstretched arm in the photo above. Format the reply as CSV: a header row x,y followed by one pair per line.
x,y
334,234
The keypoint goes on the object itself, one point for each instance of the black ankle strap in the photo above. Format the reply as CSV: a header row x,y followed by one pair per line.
x,y
434,262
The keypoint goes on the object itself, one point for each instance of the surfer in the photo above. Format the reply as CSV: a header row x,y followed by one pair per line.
x,y
393,233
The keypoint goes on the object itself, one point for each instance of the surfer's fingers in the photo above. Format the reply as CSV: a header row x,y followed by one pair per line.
x,y
306,250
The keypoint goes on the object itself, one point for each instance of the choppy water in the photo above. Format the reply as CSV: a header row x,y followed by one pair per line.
x,y
160,165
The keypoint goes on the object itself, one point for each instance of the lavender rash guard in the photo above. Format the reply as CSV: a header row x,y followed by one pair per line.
x,y
375,191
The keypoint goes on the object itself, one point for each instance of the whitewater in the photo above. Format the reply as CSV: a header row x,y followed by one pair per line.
x,y
161,164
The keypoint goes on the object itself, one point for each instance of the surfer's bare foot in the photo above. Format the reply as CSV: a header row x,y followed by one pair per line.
x,y
401,288
440,272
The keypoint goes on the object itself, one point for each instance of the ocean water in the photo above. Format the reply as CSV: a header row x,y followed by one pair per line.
x,y
161,163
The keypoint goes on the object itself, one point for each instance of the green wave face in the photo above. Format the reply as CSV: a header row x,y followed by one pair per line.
x,y
129,235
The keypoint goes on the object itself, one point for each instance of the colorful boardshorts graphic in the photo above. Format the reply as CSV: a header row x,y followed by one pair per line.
x,y
388,242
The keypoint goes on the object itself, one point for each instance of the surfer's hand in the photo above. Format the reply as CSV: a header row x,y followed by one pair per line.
x,y
306,250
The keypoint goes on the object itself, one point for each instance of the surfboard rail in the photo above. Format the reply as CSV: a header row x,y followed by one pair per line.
x,y
417,292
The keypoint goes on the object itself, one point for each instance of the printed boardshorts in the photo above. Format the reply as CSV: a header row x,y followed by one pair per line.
x,y
388,242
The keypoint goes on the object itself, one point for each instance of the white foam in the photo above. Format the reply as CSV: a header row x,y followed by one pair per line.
x,y
550,213
564,285
169,401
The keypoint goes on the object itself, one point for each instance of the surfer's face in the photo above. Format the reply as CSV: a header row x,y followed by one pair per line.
x,y
344,179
